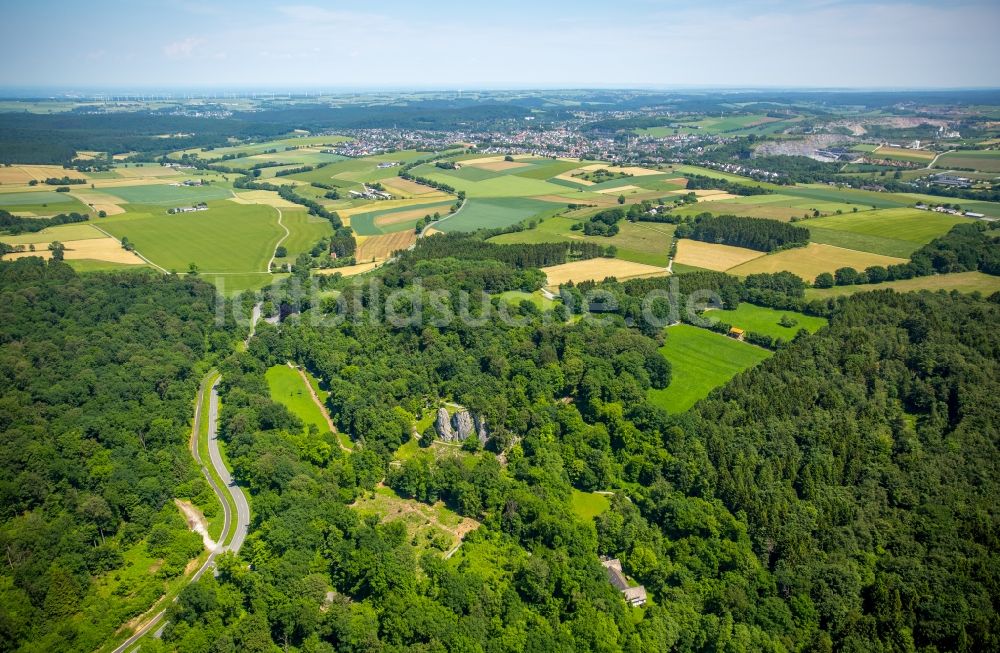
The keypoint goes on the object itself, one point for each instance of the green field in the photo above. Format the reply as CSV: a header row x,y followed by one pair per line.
x,y
702,361
304,231
961,281
911,225
718,125
759,319
588,505
863,242
232,284
63,232
166,194
983,160
509,185
494,212
641,242
256,148
36,198
352,172
93,265
228,237
287,388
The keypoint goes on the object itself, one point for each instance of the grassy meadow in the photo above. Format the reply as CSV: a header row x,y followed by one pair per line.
x,y
701,361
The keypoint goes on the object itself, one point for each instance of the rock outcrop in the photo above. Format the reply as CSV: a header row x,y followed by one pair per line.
x,y
443,425
463,425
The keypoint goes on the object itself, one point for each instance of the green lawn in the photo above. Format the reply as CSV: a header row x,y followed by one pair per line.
x,y
287,388
93,265
588,505
702,361
498,186
911,225
766,320
228,237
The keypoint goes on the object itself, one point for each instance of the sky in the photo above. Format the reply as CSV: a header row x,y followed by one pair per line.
x,y
509,44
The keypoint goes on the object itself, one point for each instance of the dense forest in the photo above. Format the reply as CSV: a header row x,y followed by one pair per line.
x,y
856,513
97,374
753,233
841,496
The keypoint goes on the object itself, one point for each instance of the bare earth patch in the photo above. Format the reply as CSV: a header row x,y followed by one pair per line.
x,y
196,522
598,269
617,190
400,186
712,256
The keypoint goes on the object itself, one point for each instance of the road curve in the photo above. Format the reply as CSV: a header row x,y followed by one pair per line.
x,y
226,511
242,524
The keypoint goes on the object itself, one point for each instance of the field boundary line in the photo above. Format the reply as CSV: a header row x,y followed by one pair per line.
x,y
134,251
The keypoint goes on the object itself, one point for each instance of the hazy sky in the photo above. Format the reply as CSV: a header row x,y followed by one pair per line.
x,y
511,43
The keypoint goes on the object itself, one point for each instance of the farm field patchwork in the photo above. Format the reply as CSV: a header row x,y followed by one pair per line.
x,y
759,319
701,360
813,259
396,218
966,282
642,242
227,237
712,256
983,160
598,269
903,154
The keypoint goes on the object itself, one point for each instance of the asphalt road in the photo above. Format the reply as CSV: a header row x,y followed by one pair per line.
x,y
239,529
240,499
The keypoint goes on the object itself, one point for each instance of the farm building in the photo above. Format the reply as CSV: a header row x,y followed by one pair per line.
x,y
188,209
737,333
635,596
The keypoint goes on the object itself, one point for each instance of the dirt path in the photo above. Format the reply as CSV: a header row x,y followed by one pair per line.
x,y
281,240
196,522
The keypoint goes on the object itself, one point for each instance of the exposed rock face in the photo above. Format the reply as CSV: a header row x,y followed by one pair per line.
x,y
443,425
481,430
463,424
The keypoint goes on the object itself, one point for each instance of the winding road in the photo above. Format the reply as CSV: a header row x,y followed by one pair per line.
x,y
237,531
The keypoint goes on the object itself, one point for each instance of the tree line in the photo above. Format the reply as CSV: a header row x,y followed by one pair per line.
x,y
753,233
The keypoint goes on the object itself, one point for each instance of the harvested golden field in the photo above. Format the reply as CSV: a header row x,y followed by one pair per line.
x,y
598,269
267,197
400,186
62,233
99,201
568,176
23,174
397,217
98,249
350,270
381,247
618,190
149,170
714,196
813,259
500,166
382,205
712,256
904,153
431,231
635,171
